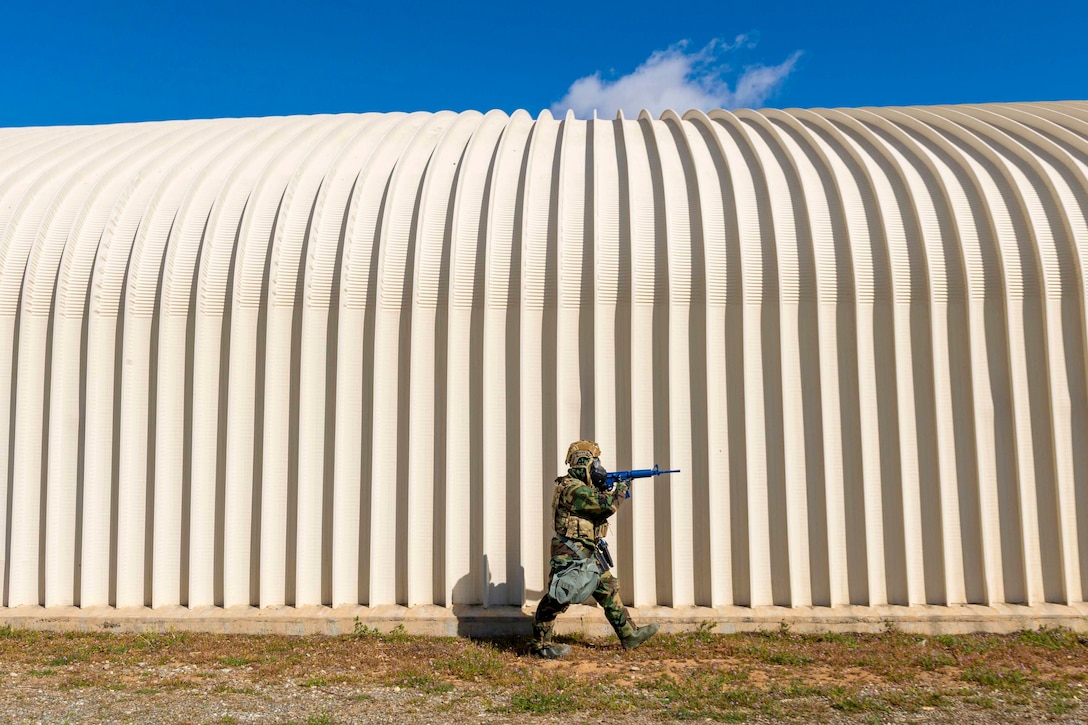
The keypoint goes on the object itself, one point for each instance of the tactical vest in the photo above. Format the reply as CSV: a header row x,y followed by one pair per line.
x,y
569,524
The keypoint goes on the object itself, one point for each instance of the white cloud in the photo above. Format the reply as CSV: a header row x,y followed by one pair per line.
x,y
676,79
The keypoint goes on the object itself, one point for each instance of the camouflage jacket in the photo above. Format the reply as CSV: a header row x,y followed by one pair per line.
x,y
582,511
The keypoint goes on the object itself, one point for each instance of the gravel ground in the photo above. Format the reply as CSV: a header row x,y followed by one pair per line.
x,y
280,704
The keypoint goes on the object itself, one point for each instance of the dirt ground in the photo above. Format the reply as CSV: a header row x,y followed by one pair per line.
x,y
368,677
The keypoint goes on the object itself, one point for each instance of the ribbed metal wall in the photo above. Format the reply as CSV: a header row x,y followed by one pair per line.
x,y
338,359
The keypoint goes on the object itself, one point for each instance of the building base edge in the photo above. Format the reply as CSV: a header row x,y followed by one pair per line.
x,y
477,621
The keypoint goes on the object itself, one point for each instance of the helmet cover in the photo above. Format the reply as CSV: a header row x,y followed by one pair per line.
x,y
579,450
584,463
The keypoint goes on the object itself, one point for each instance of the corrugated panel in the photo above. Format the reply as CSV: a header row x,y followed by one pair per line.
x,y
337,360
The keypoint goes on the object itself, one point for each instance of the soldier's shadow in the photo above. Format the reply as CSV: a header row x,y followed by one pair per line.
x,y
490,615
493,619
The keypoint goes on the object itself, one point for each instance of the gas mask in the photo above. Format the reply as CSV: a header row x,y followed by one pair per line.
x,y
598,476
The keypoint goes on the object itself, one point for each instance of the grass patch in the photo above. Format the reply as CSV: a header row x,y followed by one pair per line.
x,y
791,659
73,683
550,695
845,639
1052,638
705,693
851,701
230,690
477,662
994,678
158,641
968,643
362,631
234,661
421,680
984,702
1061,707
315,681
933,661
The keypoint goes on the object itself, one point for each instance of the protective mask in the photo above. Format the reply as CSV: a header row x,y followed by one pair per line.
x,y
598,475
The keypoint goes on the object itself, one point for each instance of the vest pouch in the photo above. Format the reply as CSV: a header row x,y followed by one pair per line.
x,y
576,583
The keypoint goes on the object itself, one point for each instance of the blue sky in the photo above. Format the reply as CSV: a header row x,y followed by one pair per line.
x,y
113,60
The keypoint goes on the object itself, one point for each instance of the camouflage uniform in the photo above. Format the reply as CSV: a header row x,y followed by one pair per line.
x,y
581,519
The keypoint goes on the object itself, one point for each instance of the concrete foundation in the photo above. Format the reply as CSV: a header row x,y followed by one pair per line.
x,y
474,621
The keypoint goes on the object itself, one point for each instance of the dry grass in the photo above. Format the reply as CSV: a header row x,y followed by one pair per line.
x,y
1028,677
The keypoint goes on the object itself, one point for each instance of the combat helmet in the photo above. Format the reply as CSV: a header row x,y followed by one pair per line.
x,y
579,450
583,460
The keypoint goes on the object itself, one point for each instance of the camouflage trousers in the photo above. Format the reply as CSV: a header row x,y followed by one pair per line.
x,y
607,594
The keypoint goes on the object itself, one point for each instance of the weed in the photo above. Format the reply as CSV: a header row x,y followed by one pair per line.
x,y
315,681
1051,638
41,673
967,643
786,658
479,662
850,701
981,701
795,690
1061,697
704,631
704,693
420,680
931,662
234,661
62,660
546,695
913,700
76,682
996,679
227,689
848,639
361,630
322,718
542,702
1061,707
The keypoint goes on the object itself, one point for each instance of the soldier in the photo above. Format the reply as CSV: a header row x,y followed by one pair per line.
x,y
581,507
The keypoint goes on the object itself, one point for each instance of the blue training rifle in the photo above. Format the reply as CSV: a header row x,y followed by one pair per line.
x,y
614,477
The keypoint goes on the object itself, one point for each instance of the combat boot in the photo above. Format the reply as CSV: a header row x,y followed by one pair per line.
x,y
640,635
551,651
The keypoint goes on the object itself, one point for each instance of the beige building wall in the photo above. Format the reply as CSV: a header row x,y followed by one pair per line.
x,y
337,359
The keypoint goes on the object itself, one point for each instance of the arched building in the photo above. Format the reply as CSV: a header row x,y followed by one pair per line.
x,y
336,360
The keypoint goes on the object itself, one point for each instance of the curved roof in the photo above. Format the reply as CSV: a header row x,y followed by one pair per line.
x,y
819,315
